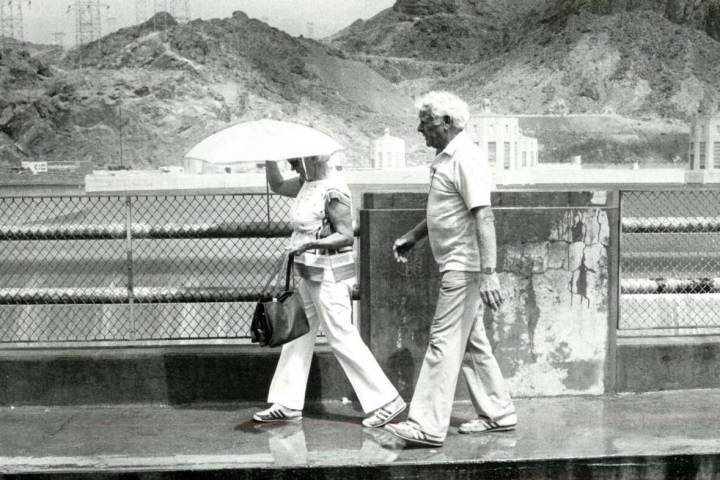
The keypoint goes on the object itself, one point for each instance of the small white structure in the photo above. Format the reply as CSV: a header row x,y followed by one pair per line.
x,y
193,165
35,167
500,136
388,152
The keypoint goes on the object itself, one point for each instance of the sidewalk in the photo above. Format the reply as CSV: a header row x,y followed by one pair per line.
x,y
664,432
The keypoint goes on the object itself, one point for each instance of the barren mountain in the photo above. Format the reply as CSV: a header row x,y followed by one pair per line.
x,y
471,30
144,95
651,60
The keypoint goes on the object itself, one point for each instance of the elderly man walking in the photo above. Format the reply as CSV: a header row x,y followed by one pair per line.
x,y
460,226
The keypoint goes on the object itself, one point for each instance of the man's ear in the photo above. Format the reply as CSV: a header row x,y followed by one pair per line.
x,y
447,121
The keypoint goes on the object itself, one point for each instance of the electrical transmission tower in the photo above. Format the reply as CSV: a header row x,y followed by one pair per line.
x,y
110,24
161,6
310,30
59,39
182,10
87,21
141,11
11,23
178,9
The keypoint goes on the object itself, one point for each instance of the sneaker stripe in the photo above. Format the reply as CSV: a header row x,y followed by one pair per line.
x,y
384,415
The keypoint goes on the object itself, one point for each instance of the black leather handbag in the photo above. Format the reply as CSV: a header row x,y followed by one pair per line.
x,y
282,319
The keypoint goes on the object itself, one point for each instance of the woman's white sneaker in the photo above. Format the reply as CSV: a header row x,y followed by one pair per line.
x,y
277,413
384,414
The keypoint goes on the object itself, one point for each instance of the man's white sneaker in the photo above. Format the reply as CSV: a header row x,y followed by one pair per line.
x,y
277,413
483,424
412,436
384,414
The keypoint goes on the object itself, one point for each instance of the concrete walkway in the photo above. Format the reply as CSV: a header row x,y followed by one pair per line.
x,y
673,434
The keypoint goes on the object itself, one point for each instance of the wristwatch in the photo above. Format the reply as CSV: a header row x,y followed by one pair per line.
x,y
488,270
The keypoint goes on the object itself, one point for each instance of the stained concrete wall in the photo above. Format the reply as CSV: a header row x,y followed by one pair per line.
x,y
554,334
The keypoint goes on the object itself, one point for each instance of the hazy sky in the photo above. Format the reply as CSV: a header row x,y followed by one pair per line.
x,y
44,17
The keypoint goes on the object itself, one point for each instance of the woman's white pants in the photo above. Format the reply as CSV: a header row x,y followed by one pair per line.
x,y
328,303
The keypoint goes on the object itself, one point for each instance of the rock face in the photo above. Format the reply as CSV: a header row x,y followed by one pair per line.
x,y
638,58
425,7
703,15
144,95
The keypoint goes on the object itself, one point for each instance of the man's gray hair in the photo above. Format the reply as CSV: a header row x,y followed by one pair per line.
x,y
440,104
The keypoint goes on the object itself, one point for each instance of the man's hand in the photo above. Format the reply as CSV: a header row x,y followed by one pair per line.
x,y
490,290
402,246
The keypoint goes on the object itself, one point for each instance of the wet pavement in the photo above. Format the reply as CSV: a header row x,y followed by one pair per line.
x,y
162,438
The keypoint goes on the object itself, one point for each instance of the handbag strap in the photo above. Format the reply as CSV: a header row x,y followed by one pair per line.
x,y
275,273
288,271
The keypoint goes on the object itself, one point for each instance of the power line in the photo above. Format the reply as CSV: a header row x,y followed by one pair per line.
x,y
87,21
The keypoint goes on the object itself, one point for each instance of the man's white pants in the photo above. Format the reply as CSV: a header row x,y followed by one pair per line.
x,y
457,339
327,303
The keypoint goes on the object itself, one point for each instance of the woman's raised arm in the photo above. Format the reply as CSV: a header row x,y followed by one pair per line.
x,y
286,188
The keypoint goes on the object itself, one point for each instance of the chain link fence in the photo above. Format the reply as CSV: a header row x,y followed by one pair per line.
x,y
670,259
135,268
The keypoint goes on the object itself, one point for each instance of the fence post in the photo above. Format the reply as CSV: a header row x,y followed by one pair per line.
x,y
614,251
129,264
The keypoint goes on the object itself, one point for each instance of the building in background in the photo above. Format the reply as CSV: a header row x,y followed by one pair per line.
x,y
705,142
704,149
192,165
500,136
387,152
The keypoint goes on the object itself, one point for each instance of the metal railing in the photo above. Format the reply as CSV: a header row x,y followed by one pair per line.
x,y
670,259
135,268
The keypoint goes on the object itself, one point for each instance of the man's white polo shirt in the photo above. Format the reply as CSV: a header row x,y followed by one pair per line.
x,y
460,180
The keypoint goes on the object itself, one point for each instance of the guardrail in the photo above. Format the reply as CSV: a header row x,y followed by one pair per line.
x,y
670,259
125,268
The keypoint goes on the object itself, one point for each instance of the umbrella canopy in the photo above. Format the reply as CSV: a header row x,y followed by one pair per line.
x,y
262,140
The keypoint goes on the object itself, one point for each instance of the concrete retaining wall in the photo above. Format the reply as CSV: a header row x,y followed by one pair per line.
x,y
554,334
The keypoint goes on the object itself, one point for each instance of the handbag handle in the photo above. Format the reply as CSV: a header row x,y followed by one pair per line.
x,y
275,273
288,271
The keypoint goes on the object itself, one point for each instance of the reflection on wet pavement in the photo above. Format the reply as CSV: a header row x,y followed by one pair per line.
x,y
84,438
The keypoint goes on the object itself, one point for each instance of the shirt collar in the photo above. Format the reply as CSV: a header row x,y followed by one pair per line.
x,y
451,147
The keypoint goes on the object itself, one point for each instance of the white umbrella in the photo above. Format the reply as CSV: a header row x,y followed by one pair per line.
x,y
262,140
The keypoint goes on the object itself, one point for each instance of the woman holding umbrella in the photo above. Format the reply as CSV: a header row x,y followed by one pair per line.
x,y
322,242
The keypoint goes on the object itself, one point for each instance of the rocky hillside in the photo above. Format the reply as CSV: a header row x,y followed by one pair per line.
x,y
144,95
472,30
634,63
639,58
651,60
439,30
703,15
